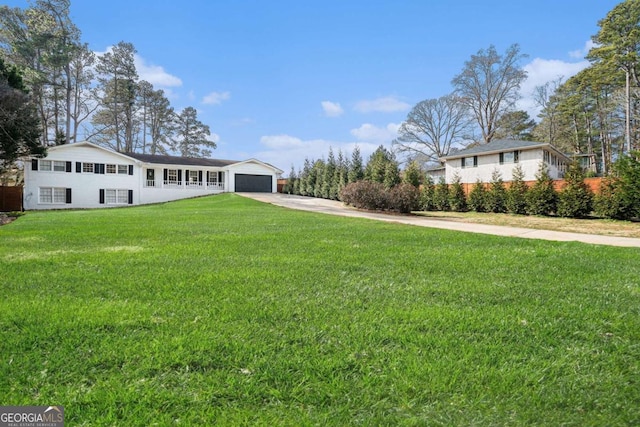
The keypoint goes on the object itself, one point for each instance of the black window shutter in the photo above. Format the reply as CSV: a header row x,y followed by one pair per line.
x,y
34,164
68,166
199,176
475,161
130,169
165,174
187,178
179,175
516,156
102,196
96,168
219,176
462,162
207,176
501,158
78,167
102,168
68,195
130,197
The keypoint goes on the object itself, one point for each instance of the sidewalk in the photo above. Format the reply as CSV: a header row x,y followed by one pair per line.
x,y
333,207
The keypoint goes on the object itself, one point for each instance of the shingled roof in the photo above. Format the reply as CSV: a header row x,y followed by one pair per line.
x,y
500,145
177,160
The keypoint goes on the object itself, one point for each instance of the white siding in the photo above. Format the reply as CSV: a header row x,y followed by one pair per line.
x,y
84,186
529,161
251,167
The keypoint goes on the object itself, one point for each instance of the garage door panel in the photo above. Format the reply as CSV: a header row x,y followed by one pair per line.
x,y
246,183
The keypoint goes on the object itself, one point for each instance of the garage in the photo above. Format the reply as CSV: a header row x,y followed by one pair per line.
x,y
246,183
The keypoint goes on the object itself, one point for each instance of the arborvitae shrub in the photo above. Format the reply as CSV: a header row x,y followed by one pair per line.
x,y
516,202
542,197
457,198
606,203
627,185
575,200
477,200
427,195
441,195
497,194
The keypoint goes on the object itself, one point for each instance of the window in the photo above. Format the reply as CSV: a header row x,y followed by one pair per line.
x,y
111,168
470,162
87,167
545,156
123,169
193,176
113,196
59,166
51,195
45,165
213,178
509,157
172,176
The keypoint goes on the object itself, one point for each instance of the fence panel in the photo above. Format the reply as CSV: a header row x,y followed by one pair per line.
x,y
10,198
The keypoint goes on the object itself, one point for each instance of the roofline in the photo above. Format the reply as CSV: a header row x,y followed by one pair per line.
x,y
91,144
528,147
277,170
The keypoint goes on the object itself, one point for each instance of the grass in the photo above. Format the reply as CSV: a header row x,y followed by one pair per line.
x,y
226,311
605,227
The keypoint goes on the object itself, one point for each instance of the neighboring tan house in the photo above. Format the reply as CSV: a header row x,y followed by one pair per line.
x,y
85,175
479,162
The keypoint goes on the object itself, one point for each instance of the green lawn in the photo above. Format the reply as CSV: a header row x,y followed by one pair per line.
x,y
226,311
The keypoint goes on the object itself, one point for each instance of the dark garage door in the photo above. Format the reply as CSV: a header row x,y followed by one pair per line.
x,y
253,183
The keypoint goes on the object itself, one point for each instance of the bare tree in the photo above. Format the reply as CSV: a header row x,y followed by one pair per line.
x,y
433,126
488,85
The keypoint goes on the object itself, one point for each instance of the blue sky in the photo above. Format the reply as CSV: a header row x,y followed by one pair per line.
x,y
285,80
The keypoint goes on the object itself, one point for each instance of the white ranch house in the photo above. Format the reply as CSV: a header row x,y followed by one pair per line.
x,y
479,162
84,175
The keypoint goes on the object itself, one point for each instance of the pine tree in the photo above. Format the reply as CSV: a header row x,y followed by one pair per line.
x,y
356,170
497,194
478,197
516,202
457,198
575,200
441,195
427,195
542,197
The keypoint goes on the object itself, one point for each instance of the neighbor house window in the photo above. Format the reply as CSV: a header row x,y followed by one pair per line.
x,y
123,169
59,166
470,162
45,165
51,195
111,168
509,157
87,167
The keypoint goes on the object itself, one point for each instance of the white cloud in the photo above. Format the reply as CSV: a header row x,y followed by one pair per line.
x,y
332,109
281,142
215,98
387,104
581,53
376,135
155,74
540,71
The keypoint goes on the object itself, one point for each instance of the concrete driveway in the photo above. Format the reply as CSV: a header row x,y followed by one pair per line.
x,y
333,207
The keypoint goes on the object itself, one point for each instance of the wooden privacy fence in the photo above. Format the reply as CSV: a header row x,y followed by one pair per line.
x,y
10,198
